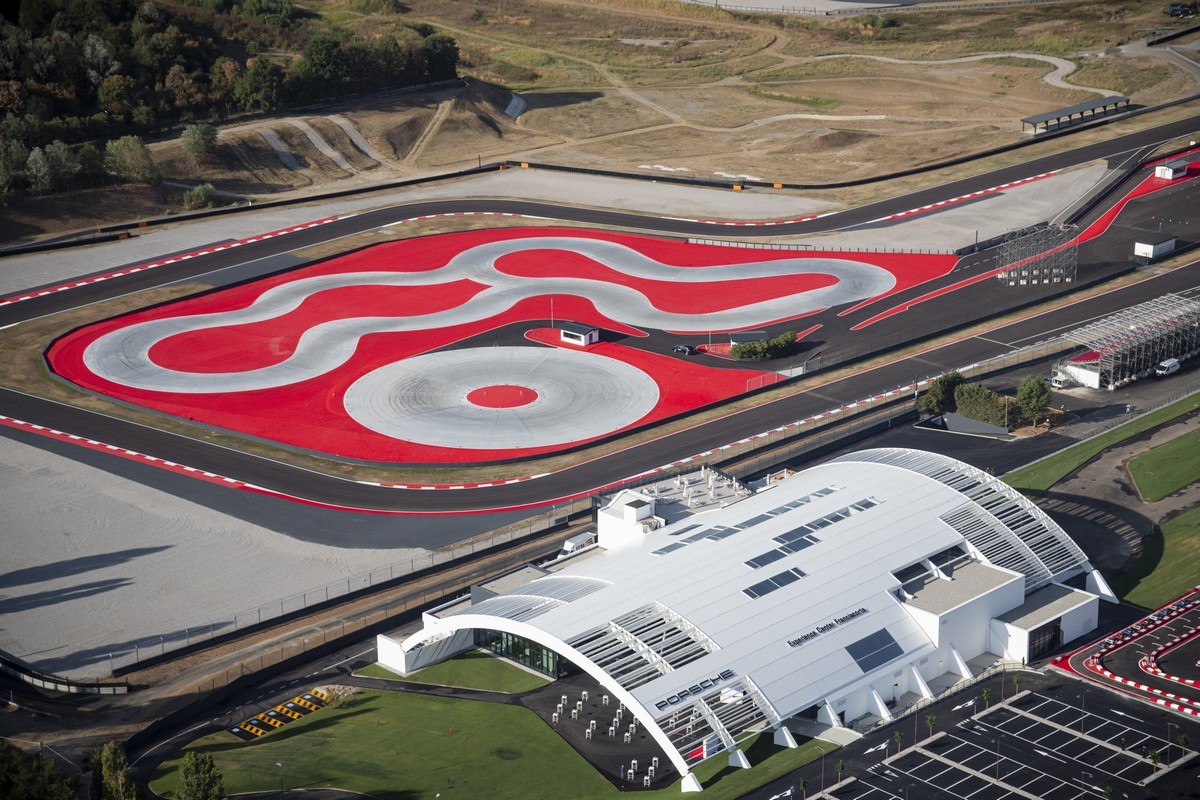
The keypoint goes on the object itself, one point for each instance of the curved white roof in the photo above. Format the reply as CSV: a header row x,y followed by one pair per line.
x,y
734,620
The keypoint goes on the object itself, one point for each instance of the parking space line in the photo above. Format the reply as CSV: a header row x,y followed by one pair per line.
x,y
938,757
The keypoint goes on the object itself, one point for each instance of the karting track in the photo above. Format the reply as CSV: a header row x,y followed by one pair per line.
x,y
274,478
336,357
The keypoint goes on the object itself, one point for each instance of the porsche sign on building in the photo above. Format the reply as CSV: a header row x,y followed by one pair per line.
x,y
822,596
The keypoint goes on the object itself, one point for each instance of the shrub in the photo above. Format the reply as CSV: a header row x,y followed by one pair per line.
x,y
203,196
770,348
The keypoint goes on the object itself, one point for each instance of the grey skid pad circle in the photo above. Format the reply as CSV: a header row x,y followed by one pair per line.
x,y
424,399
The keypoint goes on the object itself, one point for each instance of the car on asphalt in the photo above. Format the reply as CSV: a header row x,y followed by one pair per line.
x,y
684,349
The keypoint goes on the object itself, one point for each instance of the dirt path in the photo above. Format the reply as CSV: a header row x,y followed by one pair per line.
x,y
430,131
1056,77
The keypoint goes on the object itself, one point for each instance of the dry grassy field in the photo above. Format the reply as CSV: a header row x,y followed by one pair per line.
x,y
645,85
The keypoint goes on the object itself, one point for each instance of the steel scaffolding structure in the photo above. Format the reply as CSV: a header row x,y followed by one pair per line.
x,y
1129,344
1044,255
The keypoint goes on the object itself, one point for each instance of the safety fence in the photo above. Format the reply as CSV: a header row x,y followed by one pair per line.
x,y
1002,669
57,684
154,648
817,246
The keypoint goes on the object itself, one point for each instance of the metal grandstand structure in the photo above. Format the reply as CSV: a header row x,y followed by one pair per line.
x,y
997,520
1044,255
1130,343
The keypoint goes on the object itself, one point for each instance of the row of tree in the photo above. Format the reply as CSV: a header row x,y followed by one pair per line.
x,y
951,393
77,71
767,348
30,776
58,166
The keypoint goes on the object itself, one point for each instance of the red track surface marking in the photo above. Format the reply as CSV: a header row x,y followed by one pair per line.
x,y
1148,186
963,198
161,263
801,334
502,396
673,296
312,412
1094,663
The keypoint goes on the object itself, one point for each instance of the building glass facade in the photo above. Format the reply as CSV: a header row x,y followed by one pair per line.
x,y
525,652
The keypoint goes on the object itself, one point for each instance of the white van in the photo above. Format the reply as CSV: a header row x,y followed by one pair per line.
x,y
577,543
1168,367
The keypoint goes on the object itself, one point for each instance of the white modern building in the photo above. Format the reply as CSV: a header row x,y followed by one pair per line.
x,y
824,596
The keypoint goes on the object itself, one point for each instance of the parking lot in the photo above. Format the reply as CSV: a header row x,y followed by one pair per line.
x,y
1060,741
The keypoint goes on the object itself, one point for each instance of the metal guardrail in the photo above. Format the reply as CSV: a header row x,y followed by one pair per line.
x,y
818,246
57,684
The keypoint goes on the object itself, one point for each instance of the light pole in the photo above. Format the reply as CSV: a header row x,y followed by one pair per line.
x,y
1082,710
996,741
279,764
1170,725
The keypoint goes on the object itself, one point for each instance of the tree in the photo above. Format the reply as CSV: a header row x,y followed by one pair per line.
x,y
939,397
1033,398
899,737
117,94
979,402
115,783
441,57
839,768
1154,757
13,157
1182,739
199,141
1017,682
29,776
91,162
199,778
260,86
130,159
37,170
325,65
803,787
930,719
987,698
64,164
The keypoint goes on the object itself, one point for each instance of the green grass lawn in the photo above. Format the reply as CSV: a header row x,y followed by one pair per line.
x,y
1167,468
1168,566
400,746
473,670
1040,476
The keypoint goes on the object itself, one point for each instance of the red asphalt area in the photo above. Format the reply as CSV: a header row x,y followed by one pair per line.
x,y
1088,662
313,409
1149,185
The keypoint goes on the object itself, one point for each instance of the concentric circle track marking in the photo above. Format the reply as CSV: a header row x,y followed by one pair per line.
x,y
501,395
425,399
122,356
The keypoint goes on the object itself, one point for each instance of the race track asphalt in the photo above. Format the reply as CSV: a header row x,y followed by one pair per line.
x,y
946,312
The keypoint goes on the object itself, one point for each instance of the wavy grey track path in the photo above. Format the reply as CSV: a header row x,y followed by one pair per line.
x,y
123,356
1056,77
598,472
